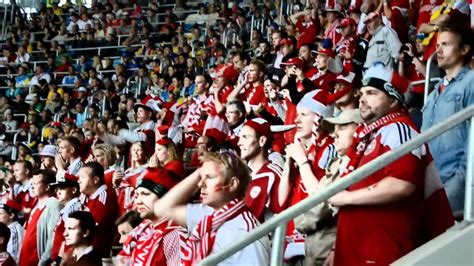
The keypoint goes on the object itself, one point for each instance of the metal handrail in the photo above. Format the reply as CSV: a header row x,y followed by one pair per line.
x,y
427,77
280,220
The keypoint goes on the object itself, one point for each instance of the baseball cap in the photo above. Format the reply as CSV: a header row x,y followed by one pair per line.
x,y
82,89
325,51
295,61
261,126
66,180
286,41
344,117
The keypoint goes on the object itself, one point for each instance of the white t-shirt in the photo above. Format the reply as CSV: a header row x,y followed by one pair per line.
x,y
257,253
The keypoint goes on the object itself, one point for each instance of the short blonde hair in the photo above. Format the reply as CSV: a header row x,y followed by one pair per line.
x,y
233,166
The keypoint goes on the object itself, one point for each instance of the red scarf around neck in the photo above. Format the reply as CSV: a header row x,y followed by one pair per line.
x,y
201,240
362,137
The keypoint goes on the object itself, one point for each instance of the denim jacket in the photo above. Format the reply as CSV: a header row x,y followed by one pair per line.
x,y
450,149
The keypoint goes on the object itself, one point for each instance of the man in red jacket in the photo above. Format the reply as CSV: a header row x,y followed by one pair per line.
x,y
101,202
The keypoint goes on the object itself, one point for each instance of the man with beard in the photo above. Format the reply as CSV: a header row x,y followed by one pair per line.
x,y
391,207
255,141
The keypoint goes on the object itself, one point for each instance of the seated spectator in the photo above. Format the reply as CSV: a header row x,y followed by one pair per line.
x,y
223,180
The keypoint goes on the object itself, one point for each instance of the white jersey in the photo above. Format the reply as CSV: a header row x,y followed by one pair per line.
x,y
257,253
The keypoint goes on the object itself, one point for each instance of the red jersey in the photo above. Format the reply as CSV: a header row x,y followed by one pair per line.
x,y
104,208
253,95
23,195
389,231
29,247
262,193
126,190
323,80
109,176
307,31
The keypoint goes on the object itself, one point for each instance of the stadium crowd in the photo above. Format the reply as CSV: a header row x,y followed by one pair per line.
x,y
137,133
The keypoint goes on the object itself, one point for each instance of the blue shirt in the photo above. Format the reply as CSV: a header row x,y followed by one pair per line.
x,y
450,149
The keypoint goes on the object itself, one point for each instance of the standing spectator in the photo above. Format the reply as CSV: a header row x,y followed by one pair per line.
x,y
79,233
308,26
68,161
319,224
384,44
9,215
38,241
451,95
102,203
222,216
22,192
392,196
67,193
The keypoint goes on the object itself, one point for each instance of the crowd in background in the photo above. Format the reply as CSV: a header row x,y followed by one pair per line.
x,y
114,115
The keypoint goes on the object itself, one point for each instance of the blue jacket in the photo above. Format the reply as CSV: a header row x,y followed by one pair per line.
x,y
450,149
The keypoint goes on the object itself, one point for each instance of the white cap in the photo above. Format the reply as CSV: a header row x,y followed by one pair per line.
x,y
49,150
83,89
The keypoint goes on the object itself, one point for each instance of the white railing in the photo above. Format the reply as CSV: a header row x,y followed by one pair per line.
x,y
278,222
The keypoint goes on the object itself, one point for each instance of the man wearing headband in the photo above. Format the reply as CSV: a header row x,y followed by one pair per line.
x,y
163,235
388,207
222,217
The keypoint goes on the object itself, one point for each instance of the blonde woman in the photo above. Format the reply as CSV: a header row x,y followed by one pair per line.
x,y
125,181
106,156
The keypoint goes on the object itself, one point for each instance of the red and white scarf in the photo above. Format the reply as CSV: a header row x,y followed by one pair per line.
x,y
144,241
201,240
362,138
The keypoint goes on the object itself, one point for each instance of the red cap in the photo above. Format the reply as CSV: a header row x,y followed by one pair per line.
x,y
261,126
228,72
157,180
163,130
164,141
56,124
11,205
286,41
25,125
326,51
295,61
348,22
69,120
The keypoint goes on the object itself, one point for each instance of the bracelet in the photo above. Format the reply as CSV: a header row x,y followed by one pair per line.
x,y
305,162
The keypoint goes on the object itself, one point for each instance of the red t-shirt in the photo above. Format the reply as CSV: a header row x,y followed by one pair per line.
x,y
384,232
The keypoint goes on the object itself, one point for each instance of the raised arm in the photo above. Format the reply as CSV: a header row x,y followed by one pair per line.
x,y
173,203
